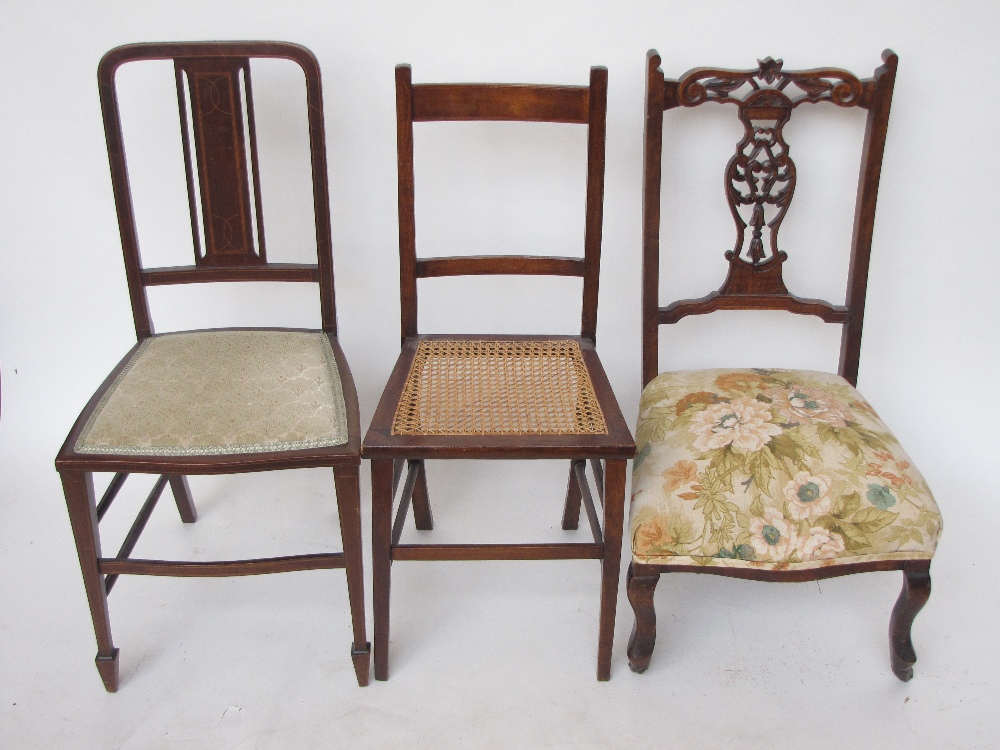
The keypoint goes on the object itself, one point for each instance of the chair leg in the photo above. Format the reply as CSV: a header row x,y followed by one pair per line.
x,y
571,510
78,487
916,591
641,585
614,512
422,516
182,496
381,560
349,508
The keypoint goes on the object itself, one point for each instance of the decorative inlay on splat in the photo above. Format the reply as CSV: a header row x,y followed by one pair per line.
x,y
225,165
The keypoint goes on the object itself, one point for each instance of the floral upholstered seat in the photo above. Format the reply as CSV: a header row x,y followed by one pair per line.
x,y
781,469
221,392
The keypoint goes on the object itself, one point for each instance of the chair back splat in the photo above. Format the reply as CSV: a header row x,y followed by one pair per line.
x,y
583,105
759,183
219,138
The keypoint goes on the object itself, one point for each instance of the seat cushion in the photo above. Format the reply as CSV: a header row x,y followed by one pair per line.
x,y
471,387
778,469
221,392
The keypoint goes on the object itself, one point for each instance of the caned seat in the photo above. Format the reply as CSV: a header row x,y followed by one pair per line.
x,y
767,474
216,401
498,396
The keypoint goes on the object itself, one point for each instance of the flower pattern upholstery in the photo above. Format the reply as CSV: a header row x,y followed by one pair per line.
x,y
221,392
780,469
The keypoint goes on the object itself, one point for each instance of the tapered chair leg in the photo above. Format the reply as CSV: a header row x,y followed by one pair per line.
x,y
381,561
182,496
916,591
614,513
349,509
641,585
79,490
423,519
571,510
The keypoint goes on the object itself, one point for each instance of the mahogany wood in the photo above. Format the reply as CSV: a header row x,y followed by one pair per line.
x,y
115,566
765,98
916,591
754,281
214,95
488,265
584,105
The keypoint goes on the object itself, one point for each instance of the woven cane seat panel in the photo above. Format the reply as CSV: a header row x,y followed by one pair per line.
x,y
462,387
221,392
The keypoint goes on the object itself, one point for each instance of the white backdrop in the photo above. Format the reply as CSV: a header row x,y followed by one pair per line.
x,y
930,344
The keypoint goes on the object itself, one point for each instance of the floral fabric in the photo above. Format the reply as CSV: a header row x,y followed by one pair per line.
x,y
779,469
221,392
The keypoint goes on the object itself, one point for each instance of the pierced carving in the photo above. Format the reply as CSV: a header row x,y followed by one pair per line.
x,y
797,86
760,177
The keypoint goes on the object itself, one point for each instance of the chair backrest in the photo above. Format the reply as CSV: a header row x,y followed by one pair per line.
x,y
759,182
583,105
214,93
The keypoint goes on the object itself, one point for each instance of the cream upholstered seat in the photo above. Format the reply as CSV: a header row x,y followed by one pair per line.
x,y
221,392
781,469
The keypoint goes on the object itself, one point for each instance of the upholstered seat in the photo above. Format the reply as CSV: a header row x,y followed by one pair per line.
x,y
781,469
221,392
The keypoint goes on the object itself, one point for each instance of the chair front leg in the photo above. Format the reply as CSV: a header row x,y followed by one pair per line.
x,y
182,496
614,513
349,509
916,591
78,487
381,560
641,585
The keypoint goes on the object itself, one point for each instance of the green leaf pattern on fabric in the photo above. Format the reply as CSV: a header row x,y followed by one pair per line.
x,y
772,468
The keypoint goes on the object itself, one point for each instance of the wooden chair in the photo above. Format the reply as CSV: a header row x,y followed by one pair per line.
x,y
773,475
216,401
498,397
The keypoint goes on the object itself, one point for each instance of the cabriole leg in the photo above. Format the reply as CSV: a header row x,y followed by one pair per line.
x,y
614,512
641,585
916,590
78,487
381,560
349,508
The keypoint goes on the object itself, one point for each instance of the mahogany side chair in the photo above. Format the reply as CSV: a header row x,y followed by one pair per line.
x,y
768,474
220,401
498,397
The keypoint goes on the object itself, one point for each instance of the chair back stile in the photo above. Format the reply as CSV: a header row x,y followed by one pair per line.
x,y
213,93
584,105
760,182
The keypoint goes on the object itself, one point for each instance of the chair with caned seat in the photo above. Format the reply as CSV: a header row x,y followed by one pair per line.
x,y
216,401
767,474
498,397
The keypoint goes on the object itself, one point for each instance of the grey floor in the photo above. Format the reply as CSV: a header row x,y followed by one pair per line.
x,y
483,654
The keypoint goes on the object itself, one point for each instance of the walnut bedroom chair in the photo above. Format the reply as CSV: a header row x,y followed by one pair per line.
x,y
220,401
498,397
766,474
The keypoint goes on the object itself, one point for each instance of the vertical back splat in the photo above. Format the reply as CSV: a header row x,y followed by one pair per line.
x,y
760,177
225,164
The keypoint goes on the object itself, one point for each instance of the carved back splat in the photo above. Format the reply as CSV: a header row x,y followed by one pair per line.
x,y
215,103
759,184
760,178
